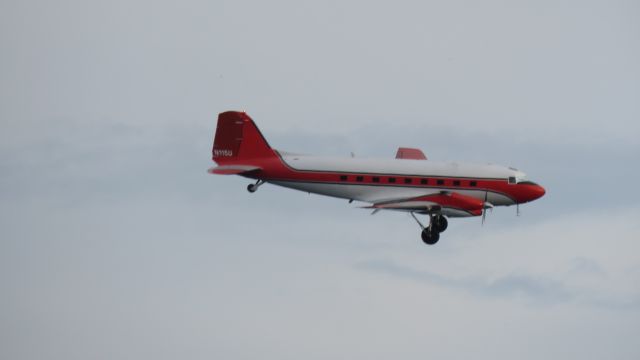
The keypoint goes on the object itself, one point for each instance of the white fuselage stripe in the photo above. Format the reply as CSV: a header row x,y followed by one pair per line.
x,y
397,167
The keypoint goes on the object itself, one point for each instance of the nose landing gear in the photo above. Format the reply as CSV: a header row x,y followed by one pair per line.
x,y
431,234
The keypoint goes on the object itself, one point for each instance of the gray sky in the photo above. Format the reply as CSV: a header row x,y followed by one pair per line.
x,y
115,243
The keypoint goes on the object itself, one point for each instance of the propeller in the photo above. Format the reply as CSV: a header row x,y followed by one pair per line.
x,y
486,205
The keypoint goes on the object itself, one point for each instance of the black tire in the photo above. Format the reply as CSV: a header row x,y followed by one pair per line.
x,y
441,223
430,237
252,188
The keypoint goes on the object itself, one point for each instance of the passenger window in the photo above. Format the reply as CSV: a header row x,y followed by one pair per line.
x,y
473,183
343,177
359,178
392,180
424,181
407,181
456,182
440,182
375,179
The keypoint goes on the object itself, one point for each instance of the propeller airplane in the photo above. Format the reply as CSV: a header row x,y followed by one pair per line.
x,y
409,183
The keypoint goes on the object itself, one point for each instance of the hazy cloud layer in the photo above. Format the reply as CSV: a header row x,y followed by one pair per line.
x,y
115,243
569,267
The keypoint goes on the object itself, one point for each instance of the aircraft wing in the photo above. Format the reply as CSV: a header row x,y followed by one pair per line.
x,y
448,203
233,169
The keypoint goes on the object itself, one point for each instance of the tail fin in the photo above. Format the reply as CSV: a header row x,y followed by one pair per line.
x,y
238,139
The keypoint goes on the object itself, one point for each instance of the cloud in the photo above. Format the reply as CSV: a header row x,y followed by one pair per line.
x,y
587,267
538,290
560,260
115,243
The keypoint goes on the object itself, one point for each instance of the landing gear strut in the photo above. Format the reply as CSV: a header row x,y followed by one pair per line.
x,y
253,187
431,234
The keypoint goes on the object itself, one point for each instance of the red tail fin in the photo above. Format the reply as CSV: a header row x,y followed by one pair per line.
x,y
238,139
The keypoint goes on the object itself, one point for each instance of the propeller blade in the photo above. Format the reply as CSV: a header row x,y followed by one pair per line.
x,y
484,207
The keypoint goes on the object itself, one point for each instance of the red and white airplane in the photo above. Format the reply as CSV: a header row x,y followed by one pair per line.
x,y
408,183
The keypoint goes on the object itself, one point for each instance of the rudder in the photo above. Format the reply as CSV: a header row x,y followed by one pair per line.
x,y
238,139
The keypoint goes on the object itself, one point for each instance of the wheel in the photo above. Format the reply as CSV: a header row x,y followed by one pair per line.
x,y
430,237
252,188
441,223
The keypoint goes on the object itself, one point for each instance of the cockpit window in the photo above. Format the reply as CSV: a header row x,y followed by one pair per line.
x,y
512,180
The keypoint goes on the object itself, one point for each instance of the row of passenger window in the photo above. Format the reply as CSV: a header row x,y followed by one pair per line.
x,y
423,181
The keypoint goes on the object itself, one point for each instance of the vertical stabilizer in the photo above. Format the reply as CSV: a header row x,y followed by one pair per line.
x,y
238,139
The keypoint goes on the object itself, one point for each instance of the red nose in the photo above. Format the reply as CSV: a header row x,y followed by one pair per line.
x,y
537,192
529,191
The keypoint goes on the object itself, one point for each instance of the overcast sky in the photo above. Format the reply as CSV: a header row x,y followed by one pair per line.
x,y
116,244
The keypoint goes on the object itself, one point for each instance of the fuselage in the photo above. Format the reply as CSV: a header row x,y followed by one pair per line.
x,y
380,180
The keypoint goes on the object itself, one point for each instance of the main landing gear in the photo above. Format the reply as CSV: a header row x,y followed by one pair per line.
x,y
253,187
437,224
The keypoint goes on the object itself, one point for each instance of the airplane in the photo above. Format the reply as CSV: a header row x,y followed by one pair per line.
x,y
409,183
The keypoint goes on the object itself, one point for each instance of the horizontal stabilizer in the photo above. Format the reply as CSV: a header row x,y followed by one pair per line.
x,y
232,169
410,153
